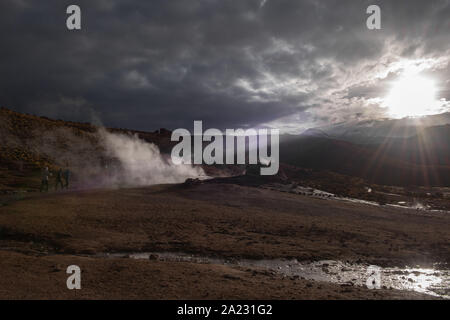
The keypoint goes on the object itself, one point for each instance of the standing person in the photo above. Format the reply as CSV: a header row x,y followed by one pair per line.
x,y
66,178
59,176
44,179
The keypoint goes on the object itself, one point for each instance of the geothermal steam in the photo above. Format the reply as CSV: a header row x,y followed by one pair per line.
x,y
96,159
141,163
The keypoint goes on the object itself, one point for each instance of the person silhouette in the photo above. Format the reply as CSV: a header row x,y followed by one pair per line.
x,y
59,181
66,176
44,179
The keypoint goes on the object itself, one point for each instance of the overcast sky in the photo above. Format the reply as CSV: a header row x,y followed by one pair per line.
x,y
150,64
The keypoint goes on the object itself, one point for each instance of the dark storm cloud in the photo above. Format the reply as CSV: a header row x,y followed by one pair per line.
x,y
150,64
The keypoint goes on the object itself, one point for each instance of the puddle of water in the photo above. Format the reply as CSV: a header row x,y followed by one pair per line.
x,y
428,281
432,281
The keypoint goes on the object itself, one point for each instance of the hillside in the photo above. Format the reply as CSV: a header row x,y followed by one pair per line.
x,y
29,143
96,156
423,159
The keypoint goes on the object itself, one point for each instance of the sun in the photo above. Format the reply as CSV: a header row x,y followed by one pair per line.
x,y
412,95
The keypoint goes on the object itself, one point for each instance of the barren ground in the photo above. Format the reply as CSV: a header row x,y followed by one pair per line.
x,y
41,235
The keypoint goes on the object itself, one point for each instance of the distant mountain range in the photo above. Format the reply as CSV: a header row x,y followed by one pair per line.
x,y
374,131
392,152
